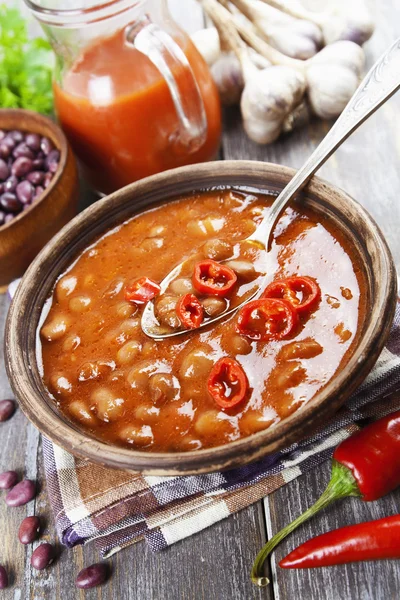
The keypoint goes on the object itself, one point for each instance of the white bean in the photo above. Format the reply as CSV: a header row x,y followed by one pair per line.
x,y
125,309
54,329
196,363
137,435
71,343
78,410
128,352
95,370
217,249
302,349
162,387
243,268
114,288
80,304
214,306
147,413
60,385
138,376
151,244
108,407
65,287
182,286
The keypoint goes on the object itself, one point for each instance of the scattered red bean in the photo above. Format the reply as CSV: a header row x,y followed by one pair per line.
x,y
21,494
92,576
46,146
23,150
29,530
8,479
4,170
3,578
24,192
43,556
7,409
22,166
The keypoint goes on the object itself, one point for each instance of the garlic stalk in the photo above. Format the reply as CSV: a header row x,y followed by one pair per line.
x,y
296,38
208,44
342,20
332,75
269,95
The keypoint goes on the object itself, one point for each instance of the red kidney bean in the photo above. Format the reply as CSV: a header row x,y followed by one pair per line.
x,y
21,166
21,494
29,530
2,134
23,150
24,192
4,170
8,218
38,164
32,140
3,578
92,576
9,142
16,135
43,556
53,167
8,479
52,157
10,203
46,146
2,217
4,150
38,192
10,184
47,179
35,177
7,409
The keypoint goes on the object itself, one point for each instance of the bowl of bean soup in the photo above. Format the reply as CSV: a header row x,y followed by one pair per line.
x,y
221,394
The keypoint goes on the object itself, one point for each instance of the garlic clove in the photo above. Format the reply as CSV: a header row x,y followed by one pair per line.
x,y
330,87
269,96
289,42
349,20
227,74
345,53
208,44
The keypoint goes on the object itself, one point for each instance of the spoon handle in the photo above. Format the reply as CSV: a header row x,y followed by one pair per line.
x,y
380,83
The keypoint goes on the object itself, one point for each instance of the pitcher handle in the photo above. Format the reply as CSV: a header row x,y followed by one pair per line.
x,y
168,57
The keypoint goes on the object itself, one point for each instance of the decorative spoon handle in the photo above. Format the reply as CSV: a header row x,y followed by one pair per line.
x,y
380,83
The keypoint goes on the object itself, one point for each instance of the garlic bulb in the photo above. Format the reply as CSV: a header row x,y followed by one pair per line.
x,y
333,76
341,19
208,44
268,98
294,37
227,74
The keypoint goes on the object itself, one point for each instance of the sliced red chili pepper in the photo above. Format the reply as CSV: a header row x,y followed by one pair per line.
x,y
190,311
267,318
289,289
227,382
210,277
142,290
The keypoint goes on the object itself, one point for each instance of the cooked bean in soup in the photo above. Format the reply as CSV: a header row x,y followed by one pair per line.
x,y
220,382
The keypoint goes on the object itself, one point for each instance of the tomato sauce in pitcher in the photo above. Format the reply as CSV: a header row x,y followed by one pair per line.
x,y
119,115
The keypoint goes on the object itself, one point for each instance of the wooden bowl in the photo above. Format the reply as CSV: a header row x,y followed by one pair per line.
x,y
26,310
28,232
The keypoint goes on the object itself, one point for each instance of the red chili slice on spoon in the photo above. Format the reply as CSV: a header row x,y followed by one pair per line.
x,y
302,292
266,319
212,278
227,382
142,290
190,311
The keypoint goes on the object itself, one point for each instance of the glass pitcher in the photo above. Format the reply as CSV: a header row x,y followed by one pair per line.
x,y
132,93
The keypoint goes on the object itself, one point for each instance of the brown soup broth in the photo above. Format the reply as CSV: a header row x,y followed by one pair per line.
x,y
126,389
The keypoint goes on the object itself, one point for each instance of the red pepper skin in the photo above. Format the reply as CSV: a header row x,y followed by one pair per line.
x,y
288,288
190,311
227,373
142,290
275,312
373,456
374,540
212,278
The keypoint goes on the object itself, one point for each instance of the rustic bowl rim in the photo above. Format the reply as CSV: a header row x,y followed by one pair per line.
x,y
236,453
62,147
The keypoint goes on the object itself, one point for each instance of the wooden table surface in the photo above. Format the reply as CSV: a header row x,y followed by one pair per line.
x,y
215,564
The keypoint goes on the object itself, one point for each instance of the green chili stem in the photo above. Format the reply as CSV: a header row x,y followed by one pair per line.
x,y
341,485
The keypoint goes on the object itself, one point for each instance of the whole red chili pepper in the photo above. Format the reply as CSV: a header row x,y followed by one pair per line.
x,y
374,540
366,465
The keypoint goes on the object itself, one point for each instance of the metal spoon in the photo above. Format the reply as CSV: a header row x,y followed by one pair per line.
x,y
381,82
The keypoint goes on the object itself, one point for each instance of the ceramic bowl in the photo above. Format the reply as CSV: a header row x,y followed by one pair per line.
x,y
37,284
28,232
